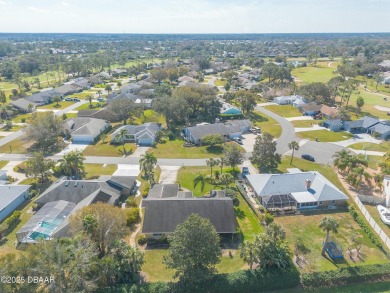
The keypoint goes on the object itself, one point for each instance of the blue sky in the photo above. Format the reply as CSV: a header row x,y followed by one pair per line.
x,y
195,16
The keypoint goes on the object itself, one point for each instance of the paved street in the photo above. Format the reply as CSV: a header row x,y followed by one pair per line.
x,y
321,151
288,132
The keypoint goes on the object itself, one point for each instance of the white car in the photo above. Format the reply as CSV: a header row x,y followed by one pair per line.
x,y
384,213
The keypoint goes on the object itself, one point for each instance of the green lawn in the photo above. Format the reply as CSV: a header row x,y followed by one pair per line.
x,y
373,161
60,105
3,163
95,170
284,110
95,106
150,116
382,147
305,123
318,73
266,123
175,149
156,271
220,82
325,135
17,146
83,95
19,118
370,101
108,150
305,227
13,129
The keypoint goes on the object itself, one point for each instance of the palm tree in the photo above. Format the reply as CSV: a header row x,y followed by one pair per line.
x,y
341,160
57,99
222,162
211,163
275,231
89,223
357,176
72,164
121,136
89,98
226,179
328,224
247,252
200,179
294,146
108,89
147,163
99,93
30,107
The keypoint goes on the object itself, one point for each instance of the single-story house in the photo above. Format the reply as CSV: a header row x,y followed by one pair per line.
x,y
329,112
229,130
68,89
283,100
360,126
382,129
43,98
166,207
11,196
333,124
64,198
23,105
228,109
84,129
118,72
310,109
296,189
103,75
144,134
299,101
295,100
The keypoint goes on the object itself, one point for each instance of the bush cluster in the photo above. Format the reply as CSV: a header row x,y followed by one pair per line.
x,y
365,227
132,216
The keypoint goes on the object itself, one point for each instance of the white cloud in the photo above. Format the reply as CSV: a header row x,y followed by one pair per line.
x,y
3,2
36,9
65,3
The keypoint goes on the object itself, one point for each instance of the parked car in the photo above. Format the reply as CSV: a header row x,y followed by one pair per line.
x,y
238,140
245,171
69,99
308,157
76,100
101,100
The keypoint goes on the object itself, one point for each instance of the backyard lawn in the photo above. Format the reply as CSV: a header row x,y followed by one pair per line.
x,y
150,116
325,135
266,123
305,227
305,123
95,170
284,110
156,271
106,149
318,73
175,149
375,215
382,147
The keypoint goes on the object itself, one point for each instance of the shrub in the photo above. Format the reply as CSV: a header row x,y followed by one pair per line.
x,y
131,203
132,216
364,227
233,195
345,276
141,240
268,218
146,190
13,220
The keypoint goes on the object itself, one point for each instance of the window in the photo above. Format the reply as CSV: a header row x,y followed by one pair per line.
x,y
320,202
333,201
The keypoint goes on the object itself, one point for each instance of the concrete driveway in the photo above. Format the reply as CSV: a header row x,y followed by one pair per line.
x,y
169,174
127,170
73,147
139,151
358,138
248,140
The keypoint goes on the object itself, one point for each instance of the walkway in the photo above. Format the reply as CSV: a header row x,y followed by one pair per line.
x,y
314,127
10,172
358,138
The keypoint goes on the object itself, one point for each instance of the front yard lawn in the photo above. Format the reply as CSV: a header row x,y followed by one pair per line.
x,y
325,135
25,117
95,106
266,123
105,149
13,129
95,170
382,147
54,106
305,123
306,228
175,149
284,110
20,145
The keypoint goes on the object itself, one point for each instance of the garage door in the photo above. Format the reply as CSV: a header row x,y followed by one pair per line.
x,y
145,141
82,139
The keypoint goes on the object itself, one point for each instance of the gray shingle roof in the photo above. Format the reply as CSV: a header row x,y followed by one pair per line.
x,y
85,126
381,128
289,183
8,193
22,104
163,216
149,129
199,131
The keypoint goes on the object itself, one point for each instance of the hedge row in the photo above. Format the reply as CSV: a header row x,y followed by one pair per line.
x,y
374,239
345,276
240,281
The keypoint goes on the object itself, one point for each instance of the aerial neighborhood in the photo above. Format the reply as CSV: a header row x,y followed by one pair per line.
x,y
164,164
